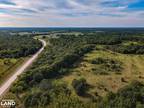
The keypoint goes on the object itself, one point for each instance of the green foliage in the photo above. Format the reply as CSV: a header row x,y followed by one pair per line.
x,y
106,65
80,86
130,96
48,93
63,101
60,62
37,77
17,46
129,49
37,99
41,89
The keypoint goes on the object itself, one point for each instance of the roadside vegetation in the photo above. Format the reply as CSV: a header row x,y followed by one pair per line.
x,y
89,70
17,46
8,66
14,50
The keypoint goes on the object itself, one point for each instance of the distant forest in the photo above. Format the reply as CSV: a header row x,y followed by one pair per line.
x,y
71,29
17,46
41,86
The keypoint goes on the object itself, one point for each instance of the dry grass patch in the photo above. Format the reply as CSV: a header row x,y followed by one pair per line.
x,y
133,69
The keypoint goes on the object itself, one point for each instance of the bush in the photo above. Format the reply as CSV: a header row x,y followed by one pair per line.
x,y
80,86
37,99
37,77
130,49
131,96
106,65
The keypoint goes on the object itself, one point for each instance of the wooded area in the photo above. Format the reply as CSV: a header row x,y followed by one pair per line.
x,y
42,86
17,46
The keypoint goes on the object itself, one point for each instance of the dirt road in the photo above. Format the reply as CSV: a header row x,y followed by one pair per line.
x,y
4,87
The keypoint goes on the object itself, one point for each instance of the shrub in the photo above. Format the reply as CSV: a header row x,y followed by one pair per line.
x,y
131,96
106,64
80,86
37,99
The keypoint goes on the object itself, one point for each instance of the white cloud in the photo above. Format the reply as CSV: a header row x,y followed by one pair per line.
x,y
68,13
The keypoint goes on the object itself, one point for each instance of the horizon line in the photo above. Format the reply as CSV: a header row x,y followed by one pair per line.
x,y
71,27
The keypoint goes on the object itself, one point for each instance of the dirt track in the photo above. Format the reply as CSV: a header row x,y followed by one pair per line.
x,y
5,86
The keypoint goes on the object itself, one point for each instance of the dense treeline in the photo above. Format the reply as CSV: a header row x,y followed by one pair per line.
x,y
52,64
17,46
130,49
41,86
130,96
114,42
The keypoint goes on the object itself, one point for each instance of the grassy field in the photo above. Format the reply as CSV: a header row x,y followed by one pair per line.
x,y
126,43
103,71
101,84
8,66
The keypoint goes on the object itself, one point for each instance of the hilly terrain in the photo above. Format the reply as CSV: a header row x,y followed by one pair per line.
x,y
94,69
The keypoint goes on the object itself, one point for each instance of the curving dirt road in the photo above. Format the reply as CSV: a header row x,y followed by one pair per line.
x,y
4,87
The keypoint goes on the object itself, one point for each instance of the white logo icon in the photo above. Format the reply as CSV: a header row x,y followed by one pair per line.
x,y
7,103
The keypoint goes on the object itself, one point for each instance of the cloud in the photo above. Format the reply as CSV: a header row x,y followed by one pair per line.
x,y
7,2
71,12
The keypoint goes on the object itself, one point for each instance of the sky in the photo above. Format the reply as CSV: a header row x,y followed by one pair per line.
x,y
71,13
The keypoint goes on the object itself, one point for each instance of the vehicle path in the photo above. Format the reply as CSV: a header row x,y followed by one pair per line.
x,y
6,85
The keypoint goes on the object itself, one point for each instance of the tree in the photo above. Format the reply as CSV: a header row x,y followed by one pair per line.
x,y
80,86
